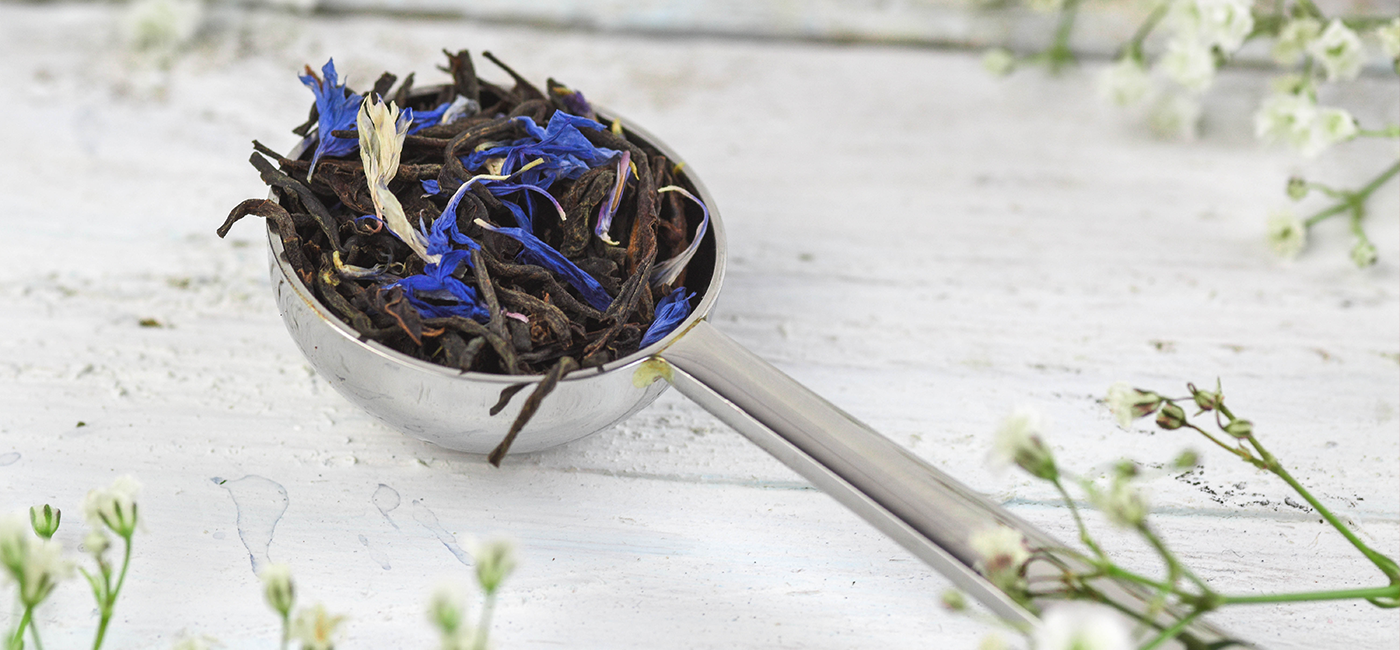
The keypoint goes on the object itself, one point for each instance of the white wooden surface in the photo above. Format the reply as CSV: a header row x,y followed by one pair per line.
x,y
925,245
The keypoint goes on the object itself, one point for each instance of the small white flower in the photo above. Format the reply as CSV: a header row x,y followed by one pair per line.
x,y
999,61
1363,254
1128,403
1285,116
1287,234
1002,551
447,608
1175,115
1122,502
113,506
382,130
1389,37
1221,23
1329,126
35,564
1125,82
315,628
161,26
495,560
1081,626
994,641
1338,48
278,589
96,543
1294,38
1189,63
1017,441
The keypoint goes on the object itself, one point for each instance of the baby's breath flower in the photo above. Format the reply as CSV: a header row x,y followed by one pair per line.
x,y
1171,417
495,560
35,564
1189,63
161,26
96,543
1128,403
1122,502
1240,428
1125,82
1294,38
999,61
113,506
1287,235
1297,120
953,600
1220,23
447,608
1187,460
1363,254
1389,37
1338,48
45,520
1175,115
278,589
993,641
1018,441
1002,552
315,628
1081,626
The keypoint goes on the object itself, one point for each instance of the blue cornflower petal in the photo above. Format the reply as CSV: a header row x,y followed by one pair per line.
x,y
425,119
448,295
336,110
541,254
430,187
564,150
672,309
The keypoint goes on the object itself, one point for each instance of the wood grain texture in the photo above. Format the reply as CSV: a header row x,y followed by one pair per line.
x,y
924,245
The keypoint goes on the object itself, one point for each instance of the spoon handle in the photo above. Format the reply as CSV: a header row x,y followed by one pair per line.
x,y
920,507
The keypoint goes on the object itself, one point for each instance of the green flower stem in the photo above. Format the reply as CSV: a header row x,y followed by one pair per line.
x,y
1393,591
34,634
1243,454
1174,567
1171,632
1385,564
17,641
1392,131
1356,199
109,599
1058,55
1134,45
483,627
286,629
1078,521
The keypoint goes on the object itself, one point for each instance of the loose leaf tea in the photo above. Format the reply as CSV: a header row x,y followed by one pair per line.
x,y
482,228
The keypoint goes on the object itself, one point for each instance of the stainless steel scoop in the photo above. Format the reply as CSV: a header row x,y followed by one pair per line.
x,y
928,512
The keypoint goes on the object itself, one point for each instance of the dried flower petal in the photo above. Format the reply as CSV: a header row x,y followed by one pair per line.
x,y
541,254
670,311
665,273
335,109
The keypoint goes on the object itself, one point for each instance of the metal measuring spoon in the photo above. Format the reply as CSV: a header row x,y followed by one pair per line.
x,y
926,511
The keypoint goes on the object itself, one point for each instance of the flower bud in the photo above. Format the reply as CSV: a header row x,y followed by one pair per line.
x,y
446,608
44,520
96,543
1240,428
1363,254
1171,417
278,588
1187,460
1297,188
954,600
494,561
1128,403
1205,400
